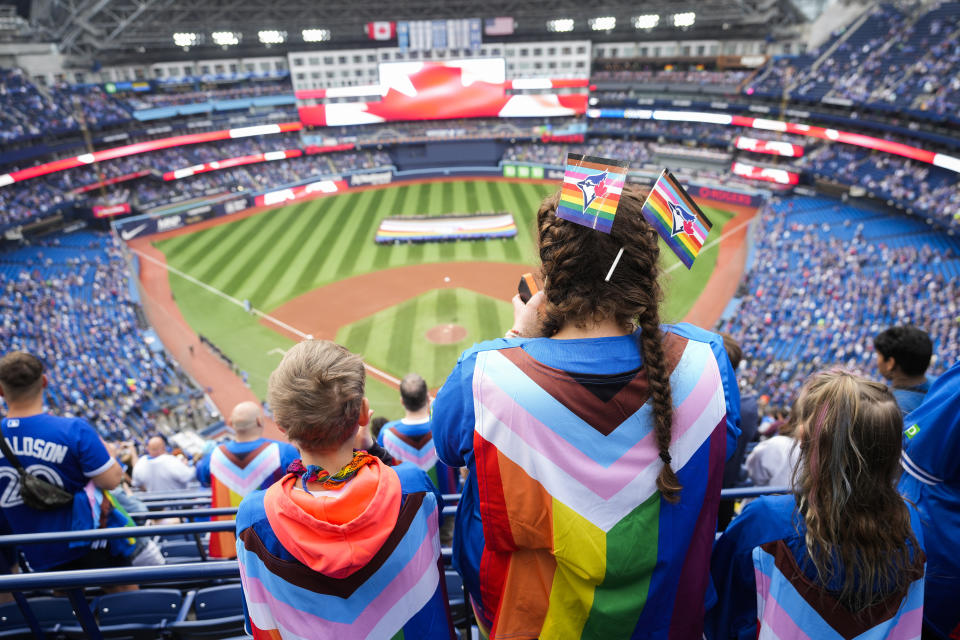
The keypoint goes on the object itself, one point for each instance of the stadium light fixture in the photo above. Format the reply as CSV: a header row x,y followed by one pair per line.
x,y
685,19
316,35
225,38
184,39
560,25
646,21
604,23
272,36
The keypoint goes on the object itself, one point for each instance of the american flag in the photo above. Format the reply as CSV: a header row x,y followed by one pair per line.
x,y
502,26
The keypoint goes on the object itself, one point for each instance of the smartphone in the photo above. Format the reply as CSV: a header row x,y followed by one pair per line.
x,y
527,287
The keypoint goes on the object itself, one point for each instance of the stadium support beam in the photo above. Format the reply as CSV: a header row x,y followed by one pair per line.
x,y
124,27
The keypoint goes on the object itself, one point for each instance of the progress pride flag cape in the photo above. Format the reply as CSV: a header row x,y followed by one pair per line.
x,y
232,477
576,535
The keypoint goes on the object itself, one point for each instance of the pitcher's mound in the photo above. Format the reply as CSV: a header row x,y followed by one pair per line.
x,y
446,334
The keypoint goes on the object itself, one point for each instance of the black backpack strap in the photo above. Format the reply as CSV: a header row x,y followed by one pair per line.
x,y
9,455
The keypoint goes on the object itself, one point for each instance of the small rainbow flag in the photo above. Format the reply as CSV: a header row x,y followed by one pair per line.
x,y
677,218
591,190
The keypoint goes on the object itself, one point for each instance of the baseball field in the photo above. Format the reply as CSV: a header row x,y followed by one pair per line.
x,y
313,268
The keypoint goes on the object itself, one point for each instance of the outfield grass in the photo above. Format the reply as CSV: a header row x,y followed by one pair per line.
x,y
395,338
279,254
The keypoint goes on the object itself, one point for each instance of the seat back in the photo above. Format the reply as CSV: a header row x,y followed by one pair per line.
x,y
218,602
11,617
53,611
147,606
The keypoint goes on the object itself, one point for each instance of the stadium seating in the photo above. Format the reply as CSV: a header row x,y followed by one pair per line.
x,y
839,275
68,299
891,60
30,111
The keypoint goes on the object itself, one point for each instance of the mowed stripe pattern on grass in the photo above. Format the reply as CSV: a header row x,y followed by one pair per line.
x,y
282,253
396,337
279,254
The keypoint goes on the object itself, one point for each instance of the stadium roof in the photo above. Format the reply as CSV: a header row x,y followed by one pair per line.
x,y
109,30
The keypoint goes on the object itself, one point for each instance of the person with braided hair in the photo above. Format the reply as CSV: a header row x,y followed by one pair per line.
x,y
595,440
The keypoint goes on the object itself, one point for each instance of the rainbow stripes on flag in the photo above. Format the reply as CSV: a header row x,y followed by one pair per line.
x,y
591,191
677,218
573,523
234,476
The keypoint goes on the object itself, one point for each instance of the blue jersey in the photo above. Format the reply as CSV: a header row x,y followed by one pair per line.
x,y
931,480
64,451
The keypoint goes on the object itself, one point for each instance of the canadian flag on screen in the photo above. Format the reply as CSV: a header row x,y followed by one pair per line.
x,y
381,30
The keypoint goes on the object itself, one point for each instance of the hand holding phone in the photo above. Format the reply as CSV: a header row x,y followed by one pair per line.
x,y
527,287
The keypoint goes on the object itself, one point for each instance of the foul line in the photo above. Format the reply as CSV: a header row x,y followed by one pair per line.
x,y
713,243
280,323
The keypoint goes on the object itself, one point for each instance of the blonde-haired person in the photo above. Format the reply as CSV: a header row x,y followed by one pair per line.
x,y
595,440
342,546
843,554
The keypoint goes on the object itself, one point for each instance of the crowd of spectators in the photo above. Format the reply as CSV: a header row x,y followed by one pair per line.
x,y
67,299
638,153
895,57
254,177
692,77
30,111
193,93
919,187
825,278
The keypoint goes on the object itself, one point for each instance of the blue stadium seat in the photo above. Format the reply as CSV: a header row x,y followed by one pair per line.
x,y
456,598
217,612
51,613
180,551
134,615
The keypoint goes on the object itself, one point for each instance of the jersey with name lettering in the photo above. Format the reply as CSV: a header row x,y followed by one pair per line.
x,y
64,451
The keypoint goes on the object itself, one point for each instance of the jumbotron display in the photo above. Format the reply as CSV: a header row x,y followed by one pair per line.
x,y
471,88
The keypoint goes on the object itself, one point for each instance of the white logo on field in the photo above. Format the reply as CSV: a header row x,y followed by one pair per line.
x,y
132,233
170,222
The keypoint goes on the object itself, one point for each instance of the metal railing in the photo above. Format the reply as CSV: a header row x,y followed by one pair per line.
x,y
74,582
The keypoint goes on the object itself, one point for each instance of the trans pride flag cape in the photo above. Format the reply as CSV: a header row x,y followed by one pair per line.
x,y
414,444
577,540
234,476
591,191
789,605
359,562
677,218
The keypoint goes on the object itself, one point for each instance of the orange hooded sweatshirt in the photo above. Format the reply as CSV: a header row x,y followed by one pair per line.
x,y
336,532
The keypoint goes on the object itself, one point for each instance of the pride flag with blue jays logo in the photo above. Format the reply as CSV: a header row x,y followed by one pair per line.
x,y
591,191
677,218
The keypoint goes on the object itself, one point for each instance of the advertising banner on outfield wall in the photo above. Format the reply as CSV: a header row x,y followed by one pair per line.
x,y
107,211
292,194
130,229
729,196
374,178
522,171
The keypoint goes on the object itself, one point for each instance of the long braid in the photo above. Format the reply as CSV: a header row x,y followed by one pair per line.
x,y
574,263
651,344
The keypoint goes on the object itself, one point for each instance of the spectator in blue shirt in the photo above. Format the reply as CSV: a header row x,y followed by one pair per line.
x,y
903,355
66,452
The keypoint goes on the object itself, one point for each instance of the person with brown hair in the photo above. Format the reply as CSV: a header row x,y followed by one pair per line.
x,y
343,545
65,452
595,440
840,556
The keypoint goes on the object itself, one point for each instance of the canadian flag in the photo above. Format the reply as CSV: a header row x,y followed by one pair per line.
x,y
382,30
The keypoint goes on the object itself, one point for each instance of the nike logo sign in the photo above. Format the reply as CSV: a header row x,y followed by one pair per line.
x,y
132,233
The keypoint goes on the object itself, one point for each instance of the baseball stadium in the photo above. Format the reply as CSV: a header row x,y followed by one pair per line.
x,y
434,319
